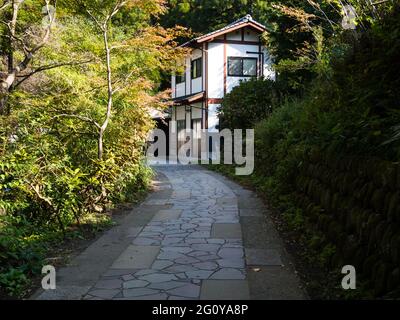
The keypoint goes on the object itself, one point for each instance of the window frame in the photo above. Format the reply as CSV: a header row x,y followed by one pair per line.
x,y
242,59
196,63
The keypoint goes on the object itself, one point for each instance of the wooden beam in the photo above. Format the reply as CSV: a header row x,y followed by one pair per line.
x,y
228,30
225,65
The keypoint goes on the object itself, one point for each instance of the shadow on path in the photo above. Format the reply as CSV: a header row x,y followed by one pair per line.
x,y
197,236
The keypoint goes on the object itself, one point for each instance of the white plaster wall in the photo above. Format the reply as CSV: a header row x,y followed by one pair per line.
x,y
188,120
251,35
203,54
235,35
180,89
213,120
187,76
197,85
216,70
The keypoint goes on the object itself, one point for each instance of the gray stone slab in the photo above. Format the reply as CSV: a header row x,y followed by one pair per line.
x,y
134,231
186,260
128,277
178,268
143,215
186,291
200,234
226,230
172,241
143,241
225,290
158,277
231,253
200,274
209,247
274,283
178,298
165,215
109,284
160,296
263,257
207,265
135,284
118,272
224,201
161,264
167,285
257,233
208,257
228,274
104,293
170,255
184,249
157,201
64,293
136,257
245,202
231,263
145,271
137,292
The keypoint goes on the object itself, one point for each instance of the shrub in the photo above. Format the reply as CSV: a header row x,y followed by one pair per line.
x,y
249,102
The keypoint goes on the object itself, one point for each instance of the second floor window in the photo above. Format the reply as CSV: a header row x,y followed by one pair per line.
x,y
242,67
180,78
197,68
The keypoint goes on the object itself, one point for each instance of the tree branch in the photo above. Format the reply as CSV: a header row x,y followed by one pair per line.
x,y
48,67
82,118
38,194
5,4
123,81
117,7
8,83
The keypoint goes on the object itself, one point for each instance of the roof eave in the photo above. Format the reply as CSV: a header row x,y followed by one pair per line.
x,y
239,26
213,35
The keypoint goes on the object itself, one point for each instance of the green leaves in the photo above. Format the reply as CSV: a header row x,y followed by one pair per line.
x,y
250,102
51,180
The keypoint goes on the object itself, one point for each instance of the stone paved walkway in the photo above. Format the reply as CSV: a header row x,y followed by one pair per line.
x,y
184,242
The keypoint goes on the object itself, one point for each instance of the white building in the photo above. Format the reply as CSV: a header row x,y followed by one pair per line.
x,y
217,63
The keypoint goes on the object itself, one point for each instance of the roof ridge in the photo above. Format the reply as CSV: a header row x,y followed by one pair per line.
x,y
242,19
246,18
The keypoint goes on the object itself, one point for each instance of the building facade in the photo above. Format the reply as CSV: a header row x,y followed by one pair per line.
x,y
218,62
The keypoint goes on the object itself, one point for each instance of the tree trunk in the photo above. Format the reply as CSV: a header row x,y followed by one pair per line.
x,y
100,144
110,94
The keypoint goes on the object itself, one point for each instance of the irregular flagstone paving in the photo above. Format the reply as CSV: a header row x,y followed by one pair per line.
x,y
188,253
198,236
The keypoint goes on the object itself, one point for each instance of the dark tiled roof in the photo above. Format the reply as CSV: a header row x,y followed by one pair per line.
x,y
246,19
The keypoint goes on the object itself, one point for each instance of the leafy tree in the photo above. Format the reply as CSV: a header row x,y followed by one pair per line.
x,y
72,142
250,102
